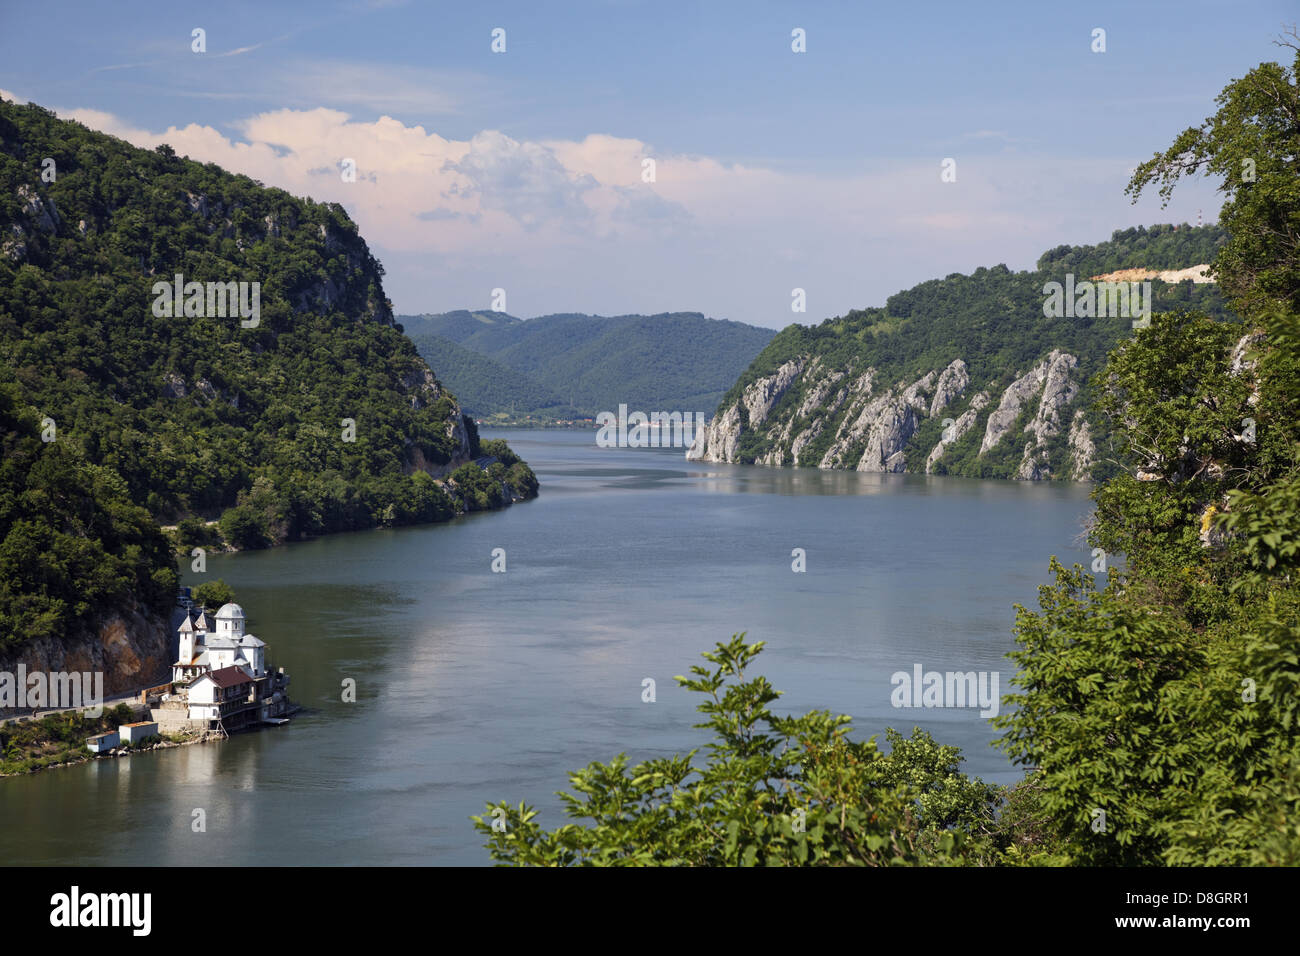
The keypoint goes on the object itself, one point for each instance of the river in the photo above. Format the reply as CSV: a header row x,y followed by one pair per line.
x,y
475,686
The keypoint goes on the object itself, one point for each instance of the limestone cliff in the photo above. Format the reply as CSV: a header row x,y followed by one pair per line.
x,y
955,428
810,413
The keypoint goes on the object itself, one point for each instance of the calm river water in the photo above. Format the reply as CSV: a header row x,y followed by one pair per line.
x,y
474,686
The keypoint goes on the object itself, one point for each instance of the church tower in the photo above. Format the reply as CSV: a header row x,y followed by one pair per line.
x,y
230,621
187,640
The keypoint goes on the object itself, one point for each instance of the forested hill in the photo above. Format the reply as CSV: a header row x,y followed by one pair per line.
x,y
963,375
487,387
310,413
679,361
1161,247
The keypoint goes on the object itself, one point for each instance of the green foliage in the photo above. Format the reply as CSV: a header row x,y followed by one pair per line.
x,y
486,387
1098,717
1250,144
775,791
569,365
497,448
72,541
947,798
1171,699
30,745
477,490
1186,737
244,528
1026,833
1168,700
1161,247
213,594
195,412
1270,524
193,532
521,480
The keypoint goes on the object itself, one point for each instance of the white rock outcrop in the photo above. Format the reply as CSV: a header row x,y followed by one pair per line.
x,y
870,429
1059,391
960,426
951,386
42,210
1083,453
719,440
1013,400
895,426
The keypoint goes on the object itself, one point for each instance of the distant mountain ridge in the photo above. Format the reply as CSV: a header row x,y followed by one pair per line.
x,y
464,367
568,364
964,375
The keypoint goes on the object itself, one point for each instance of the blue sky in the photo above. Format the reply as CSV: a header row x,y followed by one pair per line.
x,y
522,170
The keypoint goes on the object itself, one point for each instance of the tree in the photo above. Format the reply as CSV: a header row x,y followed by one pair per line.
x,y
243,528
213,594
1161,713
775,791
1252,143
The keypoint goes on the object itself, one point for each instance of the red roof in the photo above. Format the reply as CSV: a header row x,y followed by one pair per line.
x,y
230,677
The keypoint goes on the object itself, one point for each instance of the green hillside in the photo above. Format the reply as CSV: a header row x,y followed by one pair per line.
x,y
677,361
495,388
487,329
1159,247
993,321
73,539
315,415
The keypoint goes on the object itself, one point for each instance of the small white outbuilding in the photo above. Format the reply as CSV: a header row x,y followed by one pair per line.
x,y
100,743
134,733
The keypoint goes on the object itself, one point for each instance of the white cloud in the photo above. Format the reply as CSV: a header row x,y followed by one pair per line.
x,y
526,181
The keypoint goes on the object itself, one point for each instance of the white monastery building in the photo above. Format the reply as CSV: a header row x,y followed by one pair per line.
x,y
220,680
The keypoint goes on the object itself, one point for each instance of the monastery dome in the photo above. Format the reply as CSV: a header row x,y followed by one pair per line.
x,y
230,612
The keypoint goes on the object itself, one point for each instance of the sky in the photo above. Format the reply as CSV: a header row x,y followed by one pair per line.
x,y
524,170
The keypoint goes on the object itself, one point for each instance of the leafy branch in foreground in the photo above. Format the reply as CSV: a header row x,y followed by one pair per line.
x,y
1250,145
775,791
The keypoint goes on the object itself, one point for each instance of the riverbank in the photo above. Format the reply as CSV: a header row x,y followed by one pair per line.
x,y
59,740
526,424
34,744
494,479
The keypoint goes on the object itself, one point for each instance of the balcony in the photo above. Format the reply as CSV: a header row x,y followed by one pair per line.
x,y
228,707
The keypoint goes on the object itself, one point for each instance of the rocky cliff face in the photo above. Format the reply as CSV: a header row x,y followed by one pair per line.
x,y
718,441
955,428
885,424
1082,451
807,413
130,646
